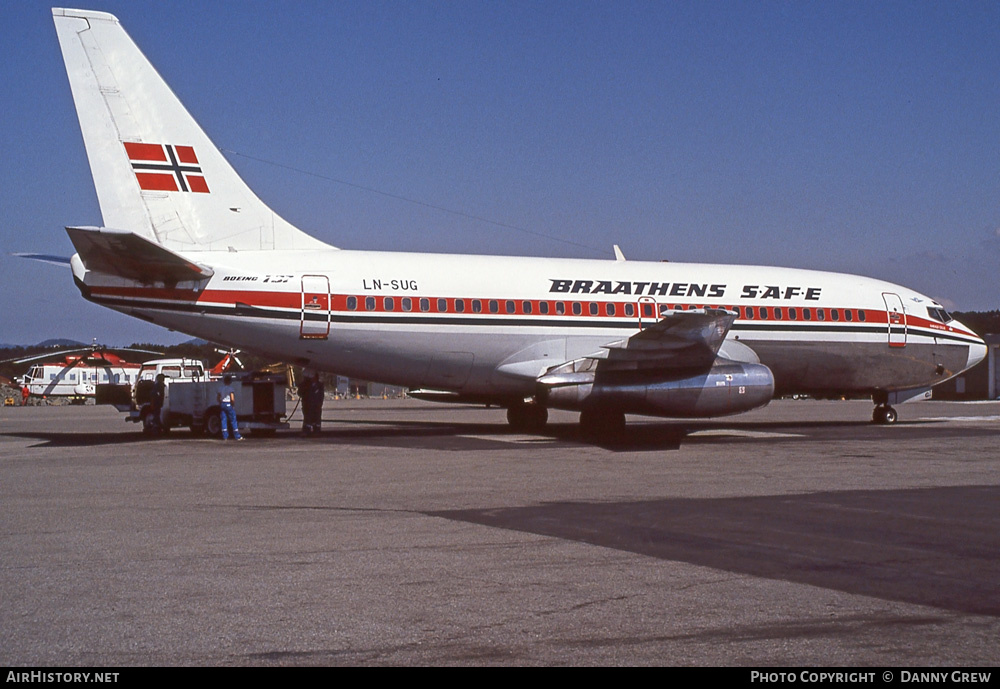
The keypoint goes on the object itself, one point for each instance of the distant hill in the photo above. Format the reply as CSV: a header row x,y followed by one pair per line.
x,y
981,322
54,342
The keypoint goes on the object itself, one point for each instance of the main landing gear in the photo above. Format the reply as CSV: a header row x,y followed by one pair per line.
x,y
528,417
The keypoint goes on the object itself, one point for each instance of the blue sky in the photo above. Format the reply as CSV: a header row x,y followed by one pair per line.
x,y
858,137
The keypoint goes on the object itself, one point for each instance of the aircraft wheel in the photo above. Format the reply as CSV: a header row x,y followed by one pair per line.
x,y
602,423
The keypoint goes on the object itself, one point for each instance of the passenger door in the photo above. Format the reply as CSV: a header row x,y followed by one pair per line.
x,y
315,322
896,317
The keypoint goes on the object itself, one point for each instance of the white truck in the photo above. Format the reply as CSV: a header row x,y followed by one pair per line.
x,y
190,399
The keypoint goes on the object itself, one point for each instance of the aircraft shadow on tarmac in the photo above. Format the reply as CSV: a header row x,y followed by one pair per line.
x,y
938,547
637,437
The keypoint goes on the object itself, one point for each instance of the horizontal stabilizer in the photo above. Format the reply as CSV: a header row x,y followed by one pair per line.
x,y
46,258
127,255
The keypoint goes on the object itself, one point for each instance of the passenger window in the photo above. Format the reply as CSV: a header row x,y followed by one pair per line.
x,y
807,314
647,310
494,306
388,303
611,309
560,308
477,306
749,313
763,313
460,305
352,303
425,304
369,303
821,314
593,308
442,305
848,315
407,304
543,307
835,314
526,306
577,308
509,305
777,313
629,310
861,315
793,314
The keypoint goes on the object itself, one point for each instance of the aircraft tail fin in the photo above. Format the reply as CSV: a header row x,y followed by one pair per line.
x,y
157,174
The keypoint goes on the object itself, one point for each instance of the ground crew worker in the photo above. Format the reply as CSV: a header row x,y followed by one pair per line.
x,y
317,393
156,401
312,392
25,393
227,409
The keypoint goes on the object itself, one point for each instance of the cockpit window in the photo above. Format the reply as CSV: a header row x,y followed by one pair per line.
x,y
938,314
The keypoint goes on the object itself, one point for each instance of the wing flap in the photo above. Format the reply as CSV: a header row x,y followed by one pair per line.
x,y
128,255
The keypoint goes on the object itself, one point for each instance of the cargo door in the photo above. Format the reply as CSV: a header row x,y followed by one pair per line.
x,y
315,322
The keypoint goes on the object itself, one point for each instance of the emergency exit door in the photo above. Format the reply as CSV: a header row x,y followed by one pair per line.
x,y
896,318
315,322
647,312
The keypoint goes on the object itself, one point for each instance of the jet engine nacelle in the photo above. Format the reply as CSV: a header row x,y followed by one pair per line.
x,y
728,387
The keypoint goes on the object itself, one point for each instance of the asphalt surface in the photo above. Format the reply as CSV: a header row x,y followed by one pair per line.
x,y
417,534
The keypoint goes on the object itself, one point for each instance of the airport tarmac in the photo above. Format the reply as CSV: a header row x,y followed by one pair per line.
x,y
417,534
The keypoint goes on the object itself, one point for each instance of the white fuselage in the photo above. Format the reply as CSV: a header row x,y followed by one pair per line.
x,y
489,326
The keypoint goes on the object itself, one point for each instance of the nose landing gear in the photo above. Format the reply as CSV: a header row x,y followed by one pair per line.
x,y
884,414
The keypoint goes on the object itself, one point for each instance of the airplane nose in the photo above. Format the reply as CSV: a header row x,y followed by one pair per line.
x,y
977,351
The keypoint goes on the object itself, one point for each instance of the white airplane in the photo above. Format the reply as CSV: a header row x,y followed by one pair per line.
x,y
187,245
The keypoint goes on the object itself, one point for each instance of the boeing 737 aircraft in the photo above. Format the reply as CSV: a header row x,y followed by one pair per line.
x,y
187,245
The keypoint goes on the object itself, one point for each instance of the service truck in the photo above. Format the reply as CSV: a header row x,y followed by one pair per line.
x,y
191,399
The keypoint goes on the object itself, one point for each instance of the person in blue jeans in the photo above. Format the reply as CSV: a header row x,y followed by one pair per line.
x,y
227,409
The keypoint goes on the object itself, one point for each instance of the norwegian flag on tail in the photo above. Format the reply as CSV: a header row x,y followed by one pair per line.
x,y
165,167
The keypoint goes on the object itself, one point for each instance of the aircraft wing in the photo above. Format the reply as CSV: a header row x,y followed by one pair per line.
x,y
123,253
679,340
